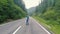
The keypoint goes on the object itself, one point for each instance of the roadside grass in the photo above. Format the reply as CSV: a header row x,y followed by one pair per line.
x,y
53,27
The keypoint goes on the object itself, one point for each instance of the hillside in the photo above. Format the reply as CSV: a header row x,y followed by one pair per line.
x,y
48,12
31,10
9,10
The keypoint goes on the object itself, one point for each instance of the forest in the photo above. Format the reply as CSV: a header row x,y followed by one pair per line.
x,y
10,9
48,12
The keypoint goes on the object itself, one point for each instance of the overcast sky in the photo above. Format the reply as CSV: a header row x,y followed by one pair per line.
x,y
31,3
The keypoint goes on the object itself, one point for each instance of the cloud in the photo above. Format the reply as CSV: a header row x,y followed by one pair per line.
x,y
31,3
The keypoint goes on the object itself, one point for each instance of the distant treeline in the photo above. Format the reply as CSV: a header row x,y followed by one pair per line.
x,y
10,10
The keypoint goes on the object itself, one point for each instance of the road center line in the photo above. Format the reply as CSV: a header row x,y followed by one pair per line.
x,y
41,26
16,30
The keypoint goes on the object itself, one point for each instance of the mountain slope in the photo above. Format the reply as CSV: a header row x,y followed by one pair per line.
x,y
9,10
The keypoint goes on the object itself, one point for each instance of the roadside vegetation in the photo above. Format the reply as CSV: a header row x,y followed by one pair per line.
x,y
10,10
54,29
48,12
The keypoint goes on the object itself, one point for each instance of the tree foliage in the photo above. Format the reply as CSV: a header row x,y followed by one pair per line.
x,y
9,10
49,10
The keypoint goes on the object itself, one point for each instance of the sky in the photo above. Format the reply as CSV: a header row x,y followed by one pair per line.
x,y
31,3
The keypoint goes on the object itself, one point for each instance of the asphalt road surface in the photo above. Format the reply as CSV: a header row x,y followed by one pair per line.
x,y
20,27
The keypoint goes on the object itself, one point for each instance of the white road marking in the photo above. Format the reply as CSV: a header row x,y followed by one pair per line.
x,y
41,26
16,30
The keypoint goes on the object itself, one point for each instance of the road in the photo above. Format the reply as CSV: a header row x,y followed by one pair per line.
x,y
19,27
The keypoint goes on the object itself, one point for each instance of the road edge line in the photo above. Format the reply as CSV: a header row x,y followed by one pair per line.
x,y
41,26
